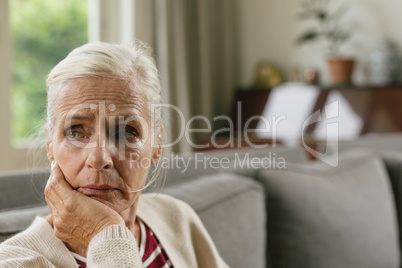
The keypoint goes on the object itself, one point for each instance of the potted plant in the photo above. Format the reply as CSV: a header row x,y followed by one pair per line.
x,y
329,29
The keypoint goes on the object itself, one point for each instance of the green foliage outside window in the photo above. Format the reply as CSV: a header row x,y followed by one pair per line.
x,y
43,33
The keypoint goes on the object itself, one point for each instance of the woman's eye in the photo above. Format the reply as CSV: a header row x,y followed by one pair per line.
x,y
73,135
126,133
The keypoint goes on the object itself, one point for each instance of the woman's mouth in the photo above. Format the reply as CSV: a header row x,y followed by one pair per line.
x,y
99,190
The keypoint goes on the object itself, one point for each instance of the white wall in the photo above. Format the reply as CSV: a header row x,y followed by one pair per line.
x,y
268,29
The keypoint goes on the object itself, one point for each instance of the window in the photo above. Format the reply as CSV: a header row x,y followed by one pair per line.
x,y
34,36
43,32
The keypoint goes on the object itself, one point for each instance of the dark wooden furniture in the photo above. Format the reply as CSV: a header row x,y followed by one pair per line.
x,y
248,103
380,107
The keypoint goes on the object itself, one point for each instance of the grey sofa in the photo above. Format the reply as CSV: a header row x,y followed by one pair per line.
x,y
303,215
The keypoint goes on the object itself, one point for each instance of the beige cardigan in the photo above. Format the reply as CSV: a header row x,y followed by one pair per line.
x,y
176,225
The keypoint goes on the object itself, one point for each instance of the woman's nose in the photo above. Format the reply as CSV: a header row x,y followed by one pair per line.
x,y
99,158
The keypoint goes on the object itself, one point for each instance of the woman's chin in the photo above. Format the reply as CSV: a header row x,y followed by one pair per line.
x,y
116,205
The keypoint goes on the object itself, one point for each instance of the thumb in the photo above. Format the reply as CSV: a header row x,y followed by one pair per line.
x,y
49,219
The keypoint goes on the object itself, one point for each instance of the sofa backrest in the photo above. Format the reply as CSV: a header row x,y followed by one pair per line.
x,y
232,208
234,161
324,216
393,164
21,189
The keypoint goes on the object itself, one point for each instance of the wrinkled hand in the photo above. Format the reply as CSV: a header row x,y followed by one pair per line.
x,y
75,217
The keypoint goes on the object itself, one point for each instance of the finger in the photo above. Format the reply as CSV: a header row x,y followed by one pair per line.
x,y
54,203
51,204
55,174
49,219
57,190
50,194
58,183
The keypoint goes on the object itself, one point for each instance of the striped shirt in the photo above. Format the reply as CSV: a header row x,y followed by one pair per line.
x,y
151,251
81,261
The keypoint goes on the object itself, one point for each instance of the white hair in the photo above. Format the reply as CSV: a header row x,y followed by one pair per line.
x,y
133,64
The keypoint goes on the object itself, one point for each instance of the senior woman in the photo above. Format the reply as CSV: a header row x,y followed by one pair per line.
x,y
104,123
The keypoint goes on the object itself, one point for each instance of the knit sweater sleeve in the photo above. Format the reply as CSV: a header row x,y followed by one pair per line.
x,y
14,256
35,247
114,246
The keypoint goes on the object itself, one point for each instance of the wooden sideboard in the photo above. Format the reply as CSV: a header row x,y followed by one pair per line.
x,y
380,110
380,107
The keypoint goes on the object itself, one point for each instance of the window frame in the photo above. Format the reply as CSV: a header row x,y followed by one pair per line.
x,y
11,157
110,21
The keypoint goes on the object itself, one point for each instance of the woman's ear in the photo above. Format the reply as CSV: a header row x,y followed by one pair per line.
x,y
157,149
157,154
49,146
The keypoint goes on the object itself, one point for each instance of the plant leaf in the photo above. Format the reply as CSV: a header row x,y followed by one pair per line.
x,y
338,36
322,15
343,36
309,35
339,12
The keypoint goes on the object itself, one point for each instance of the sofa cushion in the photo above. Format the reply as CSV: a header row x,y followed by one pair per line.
x,y
374,142
393,163
320,216
233,211
14,221
22,188
238,161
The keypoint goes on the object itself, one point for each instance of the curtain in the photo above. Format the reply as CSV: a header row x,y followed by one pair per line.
x,y
196,53
195,47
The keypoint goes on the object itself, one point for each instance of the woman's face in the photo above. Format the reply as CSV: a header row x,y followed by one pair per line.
x,y
101,140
